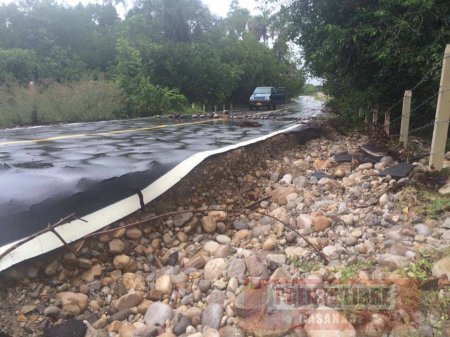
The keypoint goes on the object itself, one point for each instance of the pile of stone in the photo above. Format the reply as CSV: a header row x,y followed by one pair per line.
x,y
206,273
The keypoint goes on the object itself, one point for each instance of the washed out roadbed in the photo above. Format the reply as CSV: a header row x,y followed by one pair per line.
x,y
269,240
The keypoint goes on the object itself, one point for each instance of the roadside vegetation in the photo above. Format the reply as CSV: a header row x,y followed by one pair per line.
x,y
369,52
86,63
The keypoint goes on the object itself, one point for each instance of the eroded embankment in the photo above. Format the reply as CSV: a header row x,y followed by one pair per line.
x,y
209,273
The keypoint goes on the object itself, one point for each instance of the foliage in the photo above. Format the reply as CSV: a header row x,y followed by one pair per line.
x,y
84,100
304,265
163,55
17,64
369,52
151,99
351,271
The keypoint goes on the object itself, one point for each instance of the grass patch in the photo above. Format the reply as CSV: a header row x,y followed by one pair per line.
x,y
422,195
352,271
85,100
305,266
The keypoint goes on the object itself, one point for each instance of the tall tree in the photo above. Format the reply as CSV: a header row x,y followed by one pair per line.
x,y
369,52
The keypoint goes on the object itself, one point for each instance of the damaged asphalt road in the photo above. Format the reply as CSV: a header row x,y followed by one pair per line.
x,y
49,172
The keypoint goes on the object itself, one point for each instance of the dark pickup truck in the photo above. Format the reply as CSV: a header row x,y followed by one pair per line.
x,y
268,97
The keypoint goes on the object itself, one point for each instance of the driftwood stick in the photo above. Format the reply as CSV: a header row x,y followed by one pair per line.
x,y
50,228
257,202
156,217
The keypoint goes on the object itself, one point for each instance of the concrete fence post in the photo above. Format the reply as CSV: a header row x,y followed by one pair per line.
x,y
406,112
375,116
387,122
442,116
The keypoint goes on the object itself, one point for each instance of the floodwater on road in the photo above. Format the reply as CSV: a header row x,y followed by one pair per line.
x,y
48,172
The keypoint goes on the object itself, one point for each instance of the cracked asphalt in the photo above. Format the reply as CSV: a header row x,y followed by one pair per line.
x,y
48,172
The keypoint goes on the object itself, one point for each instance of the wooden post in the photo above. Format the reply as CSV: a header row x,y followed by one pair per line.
x,y
404,129
366,119
231,106
387,122
223,107
442,116
215,108
375,117
204,108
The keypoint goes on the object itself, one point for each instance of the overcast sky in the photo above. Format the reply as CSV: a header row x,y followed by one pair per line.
x,y
218,7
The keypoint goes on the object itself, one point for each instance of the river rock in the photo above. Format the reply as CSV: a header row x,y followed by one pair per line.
x,y
214,268
182,218
132,281
211,247
212,316
133,233
422,229
197,262
121,261
255,266
116,246
181,325
236,268
223,251
304,221
279,195
93,273
164,284
320,223
128,301
365,166
157,314
384,199
74,303
208,224
270,244
127,330
442,267
223,239
276,260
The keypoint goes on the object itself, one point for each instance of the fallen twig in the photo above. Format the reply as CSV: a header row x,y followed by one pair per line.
x,y
49,228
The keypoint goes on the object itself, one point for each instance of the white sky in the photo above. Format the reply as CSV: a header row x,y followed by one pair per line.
x,y
218,7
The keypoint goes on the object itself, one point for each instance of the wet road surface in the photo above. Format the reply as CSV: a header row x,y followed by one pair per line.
x,y
49,172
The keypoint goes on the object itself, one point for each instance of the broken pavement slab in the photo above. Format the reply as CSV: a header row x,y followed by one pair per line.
x,y
320,175
373,150
398,171
343,158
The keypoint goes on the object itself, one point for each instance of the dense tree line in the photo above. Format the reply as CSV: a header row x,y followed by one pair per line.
x,y
163,56
369,52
